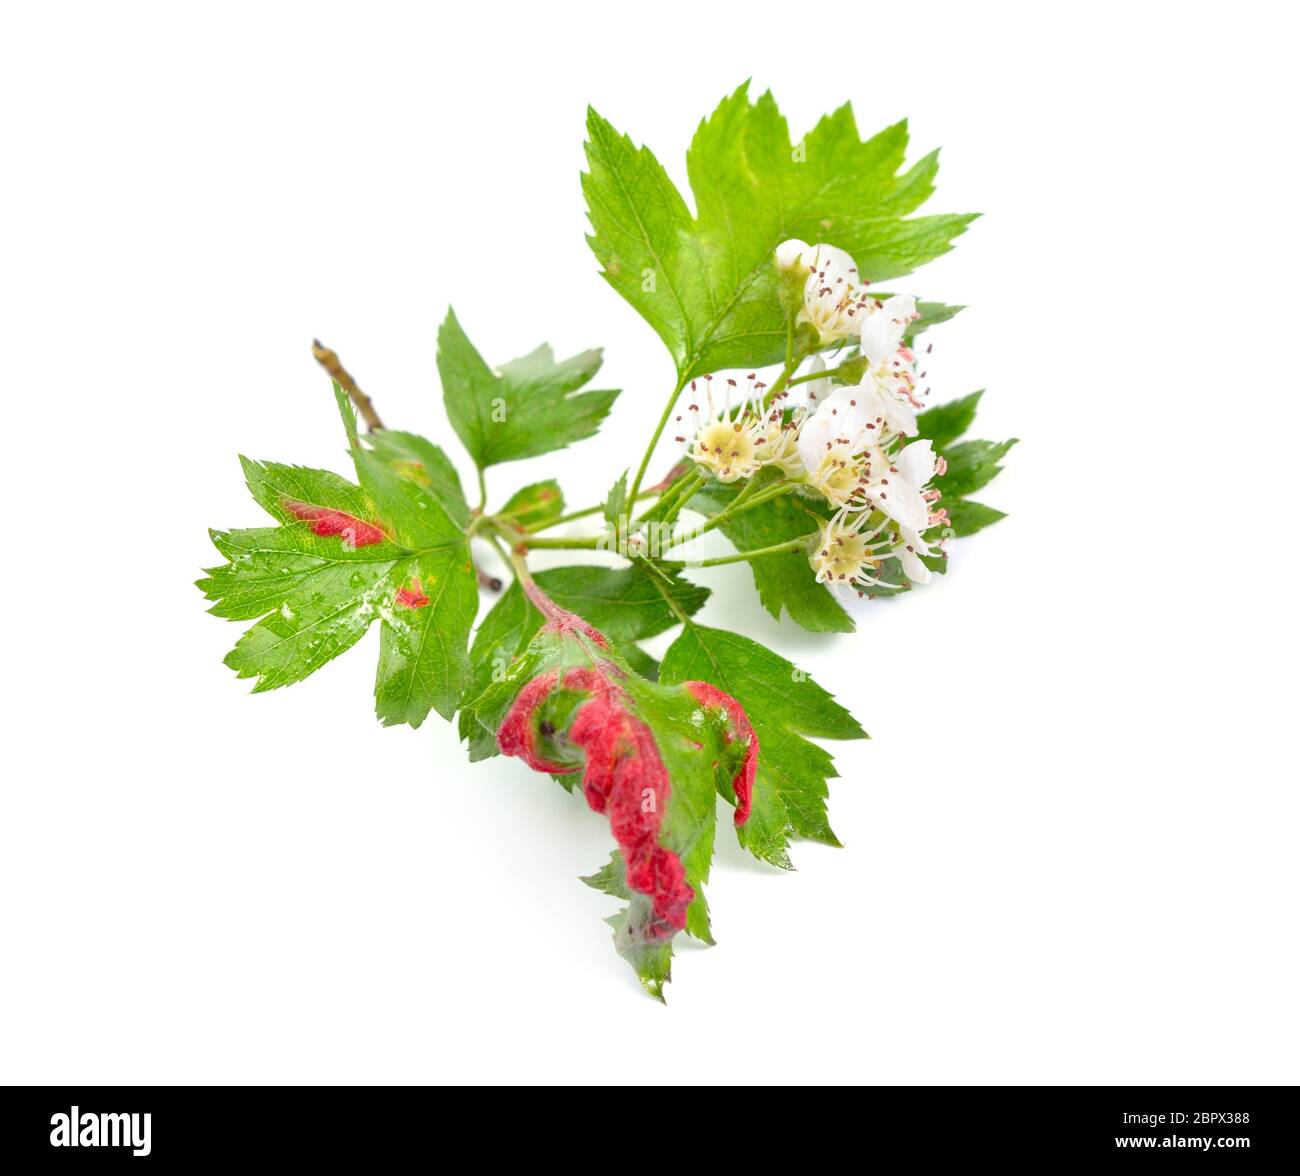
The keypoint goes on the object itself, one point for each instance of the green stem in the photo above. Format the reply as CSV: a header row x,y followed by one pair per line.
x,y
783,380
514,538
574,515
747,491
680,490
811,376
482,491
499,548
654,440
519,566
676,608
736,508
577,543
757,553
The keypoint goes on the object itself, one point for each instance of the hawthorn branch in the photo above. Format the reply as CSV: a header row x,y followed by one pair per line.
x,y
329,360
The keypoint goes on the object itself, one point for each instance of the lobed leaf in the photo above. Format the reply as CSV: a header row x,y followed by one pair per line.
x,y
704,281
530,406
343,557
783,705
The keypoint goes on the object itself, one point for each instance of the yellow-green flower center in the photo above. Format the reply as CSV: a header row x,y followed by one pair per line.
x,y
727,448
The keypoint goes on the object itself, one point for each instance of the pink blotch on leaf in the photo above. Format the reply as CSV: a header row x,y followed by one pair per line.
x,y
412,597
324,521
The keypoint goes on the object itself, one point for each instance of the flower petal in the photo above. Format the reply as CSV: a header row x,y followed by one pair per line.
x,y
832,261
882,329
814,435
915,541
916,570
895,495
790,254
916,464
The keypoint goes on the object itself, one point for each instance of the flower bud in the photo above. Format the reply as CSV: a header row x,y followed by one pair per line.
x,y
792,275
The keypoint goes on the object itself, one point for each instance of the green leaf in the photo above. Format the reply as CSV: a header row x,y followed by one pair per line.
x,y
424,463
932,314
616,503
392,554
422,658
639,660
971,464
315,596
623,603
611,878
651,958
412,516
271,566
967,517
531,406
705,281
273,485
784,580
783,705
348,414
534,505
944,423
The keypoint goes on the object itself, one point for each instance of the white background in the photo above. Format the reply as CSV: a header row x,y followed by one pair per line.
x,y
1070,848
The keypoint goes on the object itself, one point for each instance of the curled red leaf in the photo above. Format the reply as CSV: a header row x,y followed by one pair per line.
x,y
743,782
625,778
623,774
518,733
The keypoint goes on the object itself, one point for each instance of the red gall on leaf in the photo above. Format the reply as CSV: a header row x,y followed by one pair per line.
x,y
742,784
412,597
356,532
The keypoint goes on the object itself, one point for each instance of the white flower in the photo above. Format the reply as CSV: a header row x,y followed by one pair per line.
x,y
834,299
890,362
844,555
838,478
842,449
883,329
896,485
725,440
848,420
908,549
779,444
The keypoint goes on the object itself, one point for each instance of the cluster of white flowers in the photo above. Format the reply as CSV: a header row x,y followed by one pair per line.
x,y
847,443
